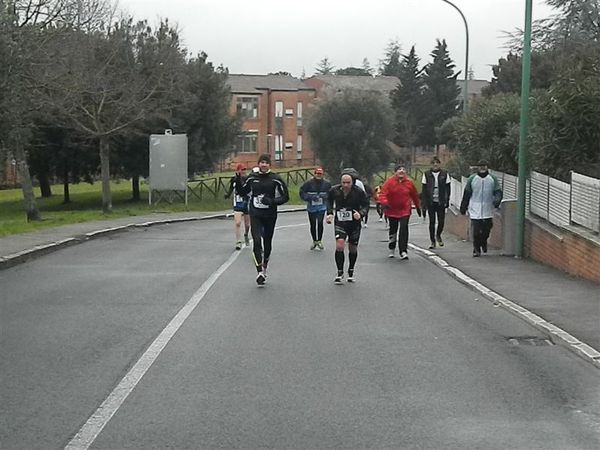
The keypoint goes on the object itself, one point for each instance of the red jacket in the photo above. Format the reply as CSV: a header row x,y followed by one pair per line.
x,y
399,196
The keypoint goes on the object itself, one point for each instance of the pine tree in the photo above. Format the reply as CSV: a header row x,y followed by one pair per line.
x,y
407,101
441,91
324,67
390,66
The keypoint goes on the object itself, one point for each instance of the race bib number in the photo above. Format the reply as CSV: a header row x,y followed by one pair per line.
x,y
238,199
317,201
344,215
257,202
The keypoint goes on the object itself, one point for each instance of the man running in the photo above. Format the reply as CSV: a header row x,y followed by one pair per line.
x,y
314,192
240,208
350,204
267,191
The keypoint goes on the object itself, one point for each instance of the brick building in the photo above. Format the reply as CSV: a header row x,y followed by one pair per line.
x,y
273,108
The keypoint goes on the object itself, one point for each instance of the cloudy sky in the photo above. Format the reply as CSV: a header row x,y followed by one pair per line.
x,y
261,36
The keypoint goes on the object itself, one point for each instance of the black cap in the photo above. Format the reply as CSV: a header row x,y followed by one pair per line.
x,y
482,162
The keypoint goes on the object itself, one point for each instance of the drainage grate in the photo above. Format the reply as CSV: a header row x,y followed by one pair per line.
x,y
530,340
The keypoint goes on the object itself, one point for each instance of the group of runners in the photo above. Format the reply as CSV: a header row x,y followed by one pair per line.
x,y
346,205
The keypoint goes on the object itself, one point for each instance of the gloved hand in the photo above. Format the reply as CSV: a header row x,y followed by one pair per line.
x,y
463,211
267,201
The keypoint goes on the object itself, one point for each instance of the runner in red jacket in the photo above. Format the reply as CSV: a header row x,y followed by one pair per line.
x,y
397,197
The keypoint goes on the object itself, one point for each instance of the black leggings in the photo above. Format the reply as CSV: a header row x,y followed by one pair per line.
x,y
262,229
316,225
436,209
481,232
398,227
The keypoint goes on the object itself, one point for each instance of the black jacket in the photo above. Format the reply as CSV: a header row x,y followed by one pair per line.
x,y
356,200
443,189
266,190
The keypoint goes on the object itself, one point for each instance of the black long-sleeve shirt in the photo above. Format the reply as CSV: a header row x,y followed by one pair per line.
x,y
342,204
266,190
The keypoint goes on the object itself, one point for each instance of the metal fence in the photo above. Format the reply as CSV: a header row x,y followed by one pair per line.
x,y
560,203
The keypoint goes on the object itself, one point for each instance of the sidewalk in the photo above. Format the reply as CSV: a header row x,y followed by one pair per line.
x,y
565,308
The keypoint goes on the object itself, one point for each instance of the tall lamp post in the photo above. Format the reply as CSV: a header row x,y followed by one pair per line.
x,y
523,131
466,91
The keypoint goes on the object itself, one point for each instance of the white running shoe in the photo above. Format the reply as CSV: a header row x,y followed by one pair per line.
x,y
339,279
238,245
351,278
403,255
260,279
391,253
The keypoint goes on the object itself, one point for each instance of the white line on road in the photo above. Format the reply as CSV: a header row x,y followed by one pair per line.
x,y
88,433
98,420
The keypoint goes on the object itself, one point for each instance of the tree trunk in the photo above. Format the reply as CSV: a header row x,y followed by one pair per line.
x,y
135,188
45,188
105,173
67,194
28,197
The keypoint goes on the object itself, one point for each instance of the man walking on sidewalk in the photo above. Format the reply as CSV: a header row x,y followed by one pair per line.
x,y
481,195
435,198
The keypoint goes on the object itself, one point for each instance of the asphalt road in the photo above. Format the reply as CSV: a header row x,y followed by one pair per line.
x,y
405,358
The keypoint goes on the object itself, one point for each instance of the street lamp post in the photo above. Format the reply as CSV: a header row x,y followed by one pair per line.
x,y
523,131
466,91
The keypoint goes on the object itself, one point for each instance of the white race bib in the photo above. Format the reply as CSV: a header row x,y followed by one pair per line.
x,y
317,201
257,202
344,215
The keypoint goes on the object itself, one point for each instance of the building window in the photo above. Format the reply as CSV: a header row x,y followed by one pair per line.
x,y
278,109
278,147
299,114
246,142
289,112
247,107
299,147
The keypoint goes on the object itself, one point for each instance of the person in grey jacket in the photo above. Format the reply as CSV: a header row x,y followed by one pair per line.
x,y
481,195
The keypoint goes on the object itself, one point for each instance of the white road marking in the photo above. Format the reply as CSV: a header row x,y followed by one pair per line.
x,y
98,420
88,433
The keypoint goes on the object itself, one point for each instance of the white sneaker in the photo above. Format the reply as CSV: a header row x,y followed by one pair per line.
x,y
351,278
403,255
338,279
391,253
366,226
380,219
260,279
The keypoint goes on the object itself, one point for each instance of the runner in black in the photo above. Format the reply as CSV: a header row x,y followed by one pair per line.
x,y
267,191
347,204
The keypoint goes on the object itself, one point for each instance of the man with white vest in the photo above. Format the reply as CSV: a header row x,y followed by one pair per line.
x,y
481,195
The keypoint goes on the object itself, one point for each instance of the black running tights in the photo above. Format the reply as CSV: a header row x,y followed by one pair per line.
x,y
262,229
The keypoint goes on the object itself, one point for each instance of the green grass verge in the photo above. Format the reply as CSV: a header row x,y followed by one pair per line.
x,y
86,206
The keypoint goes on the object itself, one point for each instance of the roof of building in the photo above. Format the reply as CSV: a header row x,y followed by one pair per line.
x,y
243,83
383,84
474,86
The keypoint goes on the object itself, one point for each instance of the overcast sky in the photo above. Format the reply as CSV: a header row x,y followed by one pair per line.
x,y
261,36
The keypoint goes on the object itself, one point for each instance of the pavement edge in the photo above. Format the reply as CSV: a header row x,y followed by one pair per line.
x,y
554,333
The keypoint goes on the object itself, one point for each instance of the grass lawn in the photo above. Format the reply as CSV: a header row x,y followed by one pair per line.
x,y
86,205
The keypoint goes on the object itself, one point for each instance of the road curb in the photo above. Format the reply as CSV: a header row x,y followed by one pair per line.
x,y
555,334
40,250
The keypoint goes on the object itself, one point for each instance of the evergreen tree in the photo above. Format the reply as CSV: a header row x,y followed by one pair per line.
x,y
441,92
407,101
324,67
391,63
366,66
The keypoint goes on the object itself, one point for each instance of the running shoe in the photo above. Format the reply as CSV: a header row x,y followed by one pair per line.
x,y
440,242
403,255
432,245
391,253
238,245
247,240
314,245
260,279
320,245
351,278
339,278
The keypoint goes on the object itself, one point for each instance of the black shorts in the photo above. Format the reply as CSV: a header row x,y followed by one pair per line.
x,y
350,231
241,208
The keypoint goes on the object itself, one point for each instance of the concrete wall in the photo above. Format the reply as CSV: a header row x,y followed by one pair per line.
x,y
565,249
